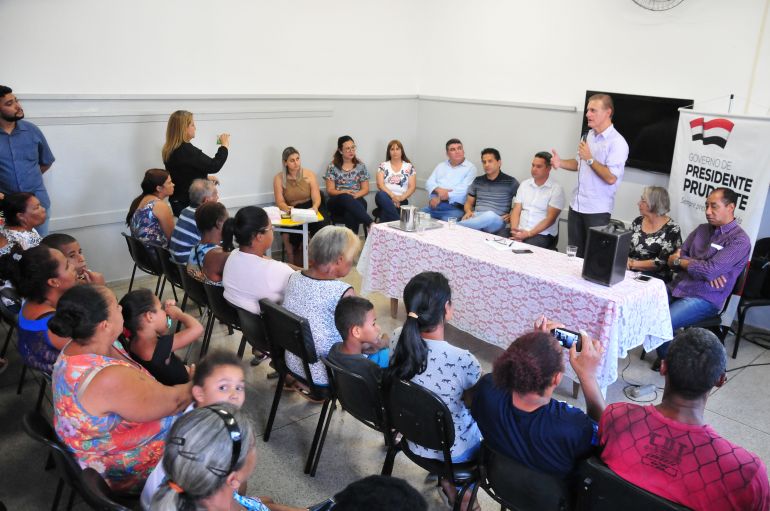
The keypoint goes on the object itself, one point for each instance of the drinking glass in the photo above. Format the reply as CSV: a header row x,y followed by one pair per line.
x,y
423,219
571,251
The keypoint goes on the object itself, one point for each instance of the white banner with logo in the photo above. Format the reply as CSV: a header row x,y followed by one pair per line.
x,y
714,150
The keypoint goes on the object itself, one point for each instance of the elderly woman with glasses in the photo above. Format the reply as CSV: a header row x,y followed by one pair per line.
x,y
347,183
655,235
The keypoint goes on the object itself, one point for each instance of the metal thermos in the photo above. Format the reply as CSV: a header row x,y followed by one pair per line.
x,y
409,218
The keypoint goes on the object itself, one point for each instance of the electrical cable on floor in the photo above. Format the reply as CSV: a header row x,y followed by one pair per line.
x,y
748,365
629,385
760,339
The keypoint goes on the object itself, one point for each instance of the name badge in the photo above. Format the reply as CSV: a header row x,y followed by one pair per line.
x,y
718,247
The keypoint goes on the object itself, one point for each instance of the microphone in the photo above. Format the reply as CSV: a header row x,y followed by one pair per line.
x,y
583,138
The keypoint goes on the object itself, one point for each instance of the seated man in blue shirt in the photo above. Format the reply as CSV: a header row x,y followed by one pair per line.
x,y
517,415
491,194
185,235
449,183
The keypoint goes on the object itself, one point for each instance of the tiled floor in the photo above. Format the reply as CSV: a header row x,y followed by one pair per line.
x,y
740,410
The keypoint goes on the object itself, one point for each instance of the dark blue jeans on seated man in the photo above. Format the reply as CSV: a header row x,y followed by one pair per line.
x,y
686,312
388,210
445,211
351,211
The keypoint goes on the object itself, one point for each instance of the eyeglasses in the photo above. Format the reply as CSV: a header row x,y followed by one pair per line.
x,y
348,149
233,430
502,241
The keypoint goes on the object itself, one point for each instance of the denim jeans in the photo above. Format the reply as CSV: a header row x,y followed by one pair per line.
x,y
445,211
487,221
351,211
388,210
685,312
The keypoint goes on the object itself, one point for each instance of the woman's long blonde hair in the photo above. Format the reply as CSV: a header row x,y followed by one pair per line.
x,y
176,131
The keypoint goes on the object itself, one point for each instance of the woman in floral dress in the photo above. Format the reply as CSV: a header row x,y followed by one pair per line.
x,y
655,235
108,410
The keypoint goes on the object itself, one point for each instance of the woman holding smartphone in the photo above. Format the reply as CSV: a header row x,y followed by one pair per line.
x,y
185,162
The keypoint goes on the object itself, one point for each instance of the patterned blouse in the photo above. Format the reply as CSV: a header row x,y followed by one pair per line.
x,y
350,180
315,300
145,226
249,503
449,372
195,263
25,239
656,246
396,182
124,452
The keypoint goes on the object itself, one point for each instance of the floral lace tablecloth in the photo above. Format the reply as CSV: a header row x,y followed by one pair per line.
x,y
498,294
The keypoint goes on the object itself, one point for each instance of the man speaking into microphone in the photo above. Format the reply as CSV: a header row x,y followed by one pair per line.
x,y
602,155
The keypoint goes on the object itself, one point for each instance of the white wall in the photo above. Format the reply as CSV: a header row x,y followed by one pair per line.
x,y
103,148
205,47
552,51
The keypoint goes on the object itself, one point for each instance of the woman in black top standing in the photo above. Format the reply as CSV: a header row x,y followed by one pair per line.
x,y
185,162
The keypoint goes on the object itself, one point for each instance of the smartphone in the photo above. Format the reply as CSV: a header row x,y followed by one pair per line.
x,y
567,338
522,251
643,278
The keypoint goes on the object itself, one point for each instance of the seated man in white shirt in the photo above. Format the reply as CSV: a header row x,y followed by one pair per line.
x,y
537,205
449,182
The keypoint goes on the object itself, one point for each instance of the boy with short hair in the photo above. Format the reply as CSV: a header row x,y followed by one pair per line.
x,y
363,350
70,247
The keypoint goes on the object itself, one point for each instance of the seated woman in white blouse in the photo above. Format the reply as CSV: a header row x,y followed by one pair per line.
x,y
249,274
396,180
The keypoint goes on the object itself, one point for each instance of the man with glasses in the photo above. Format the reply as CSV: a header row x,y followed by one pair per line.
x,y
602,155
538,205
24,153
449,182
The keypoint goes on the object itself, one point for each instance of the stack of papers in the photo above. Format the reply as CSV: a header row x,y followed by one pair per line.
x,y
273,213
304,215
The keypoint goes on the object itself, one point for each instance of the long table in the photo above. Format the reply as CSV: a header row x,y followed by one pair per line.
x,y
498,294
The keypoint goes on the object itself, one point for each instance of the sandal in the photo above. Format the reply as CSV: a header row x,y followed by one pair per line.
x,y
258,358
307,395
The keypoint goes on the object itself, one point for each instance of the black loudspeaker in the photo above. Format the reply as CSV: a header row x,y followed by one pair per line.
x,y
606,255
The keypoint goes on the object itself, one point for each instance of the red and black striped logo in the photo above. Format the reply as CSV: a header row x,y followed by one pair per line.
x,y
715,131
